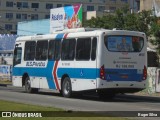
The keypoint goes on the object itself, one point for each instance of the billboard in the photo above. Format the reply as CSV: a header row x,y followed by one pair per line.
x,y
5,72
66,17
7,41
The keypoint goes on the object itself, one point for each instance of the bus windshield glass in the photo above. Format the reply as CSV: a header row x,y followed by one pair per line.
x,y
124,43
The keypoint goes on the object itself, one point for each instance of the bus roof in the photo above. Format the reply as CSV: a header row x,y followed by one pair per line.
x,y
78,32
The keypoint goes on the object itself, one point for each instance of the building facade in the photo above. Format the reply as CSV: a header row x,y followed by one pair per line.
x,y
148,4
134,5
14,11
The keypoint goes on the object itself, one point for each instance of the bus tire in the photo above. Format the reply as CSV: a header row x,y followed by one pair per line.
x,y
28,88
67,87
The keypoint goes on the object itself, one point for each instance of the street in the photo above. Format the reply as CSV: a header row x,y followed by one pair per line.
x,y
84,103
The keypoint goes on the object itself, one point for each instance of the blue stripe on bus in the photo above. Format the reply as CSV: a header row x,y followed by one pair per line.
x,y
37,72
48,72
87,73
123,75
59,36
83,73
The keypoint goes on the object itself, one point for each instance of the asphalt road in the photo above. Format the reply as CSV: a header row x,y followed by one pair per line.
x,y
83,103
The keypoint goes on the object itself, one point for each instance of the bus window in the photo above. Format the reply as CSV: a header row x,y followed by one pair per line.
x,y
51,49
68,49
17,56
94,46
29,53
137,43
83,48
57,54
54,50
124,43
42,50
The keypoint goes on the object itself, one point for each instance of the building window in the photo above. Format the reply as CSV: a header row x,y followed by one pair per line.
x,y
25,4
90,8
126,1
49,6
22,4
35,5
8,26
47,16
9,4
16,27
103,1
24,16
34,16
90,0
9,15
113,0
19,4
59,5
18,16
112,9
101,8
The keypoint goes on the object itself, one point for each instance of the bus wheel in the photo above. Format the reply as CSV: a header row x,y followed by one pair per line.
x,y
28,88
66,87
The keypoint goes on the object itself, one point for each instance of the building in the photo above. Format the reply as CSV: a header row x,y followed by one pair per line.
x,y
153,5
14,11
6,48
134,5
148,4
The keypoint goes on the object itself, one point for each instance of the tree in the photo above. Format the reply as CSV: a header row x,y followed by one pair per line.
x,y
155,31
123,19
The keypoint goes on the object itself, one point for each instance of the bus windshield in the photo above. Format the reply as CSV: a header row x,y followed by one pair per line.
x,y
124,43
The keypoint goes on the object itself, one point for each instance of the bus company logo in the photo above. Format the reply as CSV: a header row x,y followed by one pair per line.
x,y
35,64
56,17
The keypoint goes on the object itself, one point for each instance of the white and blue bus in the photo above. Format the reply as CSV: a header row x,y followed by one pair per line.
x,y
105,61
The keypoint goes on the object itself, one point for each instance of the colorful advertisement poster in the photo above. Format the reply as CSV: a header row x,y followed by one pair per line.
x,y
66,17
120,43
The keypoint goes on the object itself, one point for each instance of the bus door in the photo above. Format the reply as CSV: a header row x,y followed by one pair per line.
x,y
17,55
16,64
85,63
